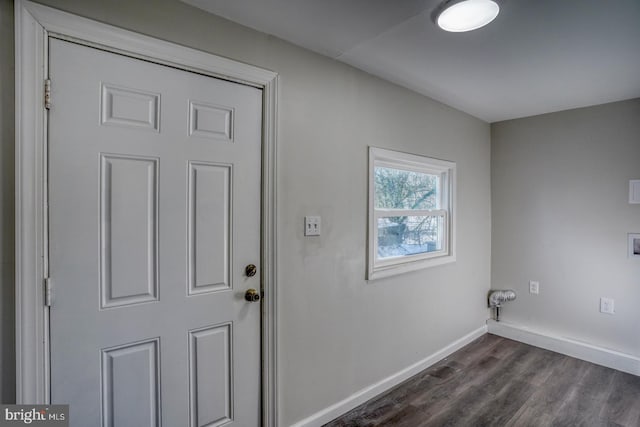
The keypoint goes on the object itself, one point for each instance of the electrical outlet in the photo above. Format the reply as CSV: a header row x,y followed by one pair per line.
x,y
534,287
311,225
607,305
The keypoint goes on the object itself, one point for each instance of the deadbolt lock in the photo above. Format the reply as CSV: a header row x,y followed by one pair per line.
x,y
250,270
252,295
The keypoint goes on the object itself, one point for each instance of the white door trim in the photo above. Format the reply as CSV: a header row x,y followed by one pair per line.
x,y
34,24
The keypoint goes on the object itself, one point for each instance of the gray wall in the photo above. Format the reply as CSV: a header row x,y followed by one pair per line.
x,y
560,211
338,333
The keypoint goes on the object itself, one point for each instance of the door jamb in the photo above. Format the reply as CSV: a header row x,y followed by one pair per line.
x,y
34,24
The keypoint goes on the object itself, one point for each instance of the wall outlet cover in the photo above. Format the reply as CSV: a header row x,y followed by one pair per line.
x,y
534,287
607,305
634,191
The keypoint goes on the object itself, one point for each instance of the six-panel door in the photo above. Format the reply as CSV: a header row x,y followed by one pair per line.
x,y
154,211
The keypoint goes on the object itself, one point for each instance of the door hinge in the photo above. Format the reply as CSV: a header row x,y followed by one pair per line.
x,y
47,94
48,292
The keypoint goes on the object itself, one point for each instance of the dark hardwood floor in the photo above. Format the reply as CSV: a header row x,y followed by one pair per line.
x,y
495,381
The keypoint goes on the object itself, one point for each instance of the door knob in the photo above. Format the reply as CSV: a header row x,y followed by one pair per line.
x,y
250,270
252,295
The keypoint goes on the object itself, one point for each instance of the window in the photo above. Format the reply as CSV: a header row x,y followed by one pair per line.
x,y
411,217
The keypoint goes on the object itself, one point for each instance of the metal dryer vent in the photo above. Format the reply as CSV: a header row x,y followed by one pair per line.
x,y
497,297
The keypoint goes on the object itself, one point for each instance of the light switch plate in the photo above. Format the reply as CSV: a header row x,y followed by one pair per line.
x,y
312,225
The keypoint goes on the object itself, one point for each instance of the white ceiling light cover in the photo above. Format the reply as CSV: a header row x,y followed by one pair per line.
x,y
468,15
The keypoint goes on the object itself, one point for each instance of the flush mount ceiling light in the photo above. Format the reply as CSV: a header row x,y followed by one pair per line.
x,y
465,15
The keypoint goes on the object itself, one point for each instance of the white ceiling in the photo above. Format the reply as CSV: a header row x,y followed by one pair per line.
x,y
538,56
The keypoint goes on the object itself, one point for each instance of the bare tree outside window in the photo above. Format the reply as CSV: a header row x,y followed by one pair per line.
x,y
407,190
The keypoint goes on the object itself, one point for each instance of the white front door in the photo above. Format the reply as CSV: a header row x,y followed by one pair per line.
x,y
154,212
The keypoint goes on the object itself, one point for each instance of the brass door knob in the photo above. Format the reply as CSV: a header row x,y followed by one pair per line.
x,y
252,295
250,270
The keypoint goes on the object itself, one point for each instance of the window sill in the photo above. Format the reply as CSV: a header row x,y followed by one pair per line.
x,y
381,272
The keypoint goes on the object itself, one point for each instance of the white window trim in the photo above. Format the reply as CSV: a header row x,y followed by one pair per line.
x,y
377,269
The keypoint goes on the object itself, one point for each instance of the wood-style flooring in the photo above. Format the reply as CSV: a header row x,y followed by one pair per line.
x,y
495,381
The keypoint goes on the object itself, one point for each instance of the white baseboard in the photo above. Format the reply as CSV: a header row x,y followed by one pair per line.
x,y
580,350
358,398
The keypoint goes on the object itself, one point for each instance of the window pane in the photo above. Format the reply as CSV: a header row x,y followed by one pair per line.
x,y
402,189
409,235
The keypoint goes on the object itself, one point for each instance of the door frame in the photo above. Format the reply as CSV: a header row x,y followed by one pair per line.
x,y
34,25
